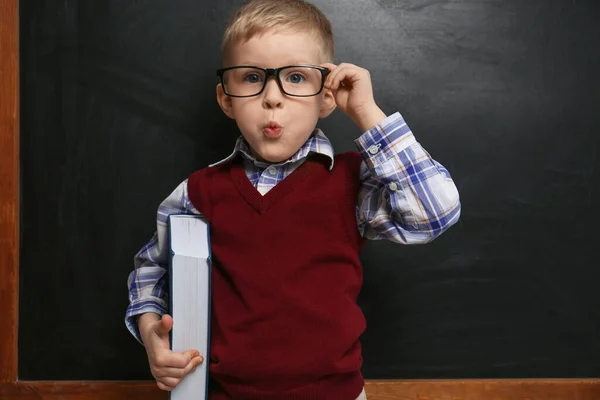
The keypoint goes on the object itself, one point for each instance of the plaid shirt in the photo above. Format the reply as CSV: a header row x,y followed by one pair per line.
x,y
405,197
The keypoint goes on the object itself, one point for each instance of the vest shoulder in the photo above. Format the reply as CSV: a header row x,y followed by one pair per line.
x,y
209,171
199,185
349,156
350,159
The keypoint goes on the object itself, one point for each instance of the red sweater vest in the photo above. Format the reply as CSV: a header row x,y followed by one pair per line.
x,y
285,279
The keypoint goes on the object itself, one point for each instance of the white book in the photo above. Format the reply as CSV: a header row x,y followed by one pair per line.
x,y
189,277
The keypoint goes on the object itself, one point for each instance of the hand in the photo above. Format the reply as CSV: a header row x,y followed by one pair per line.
x,y
168,367
353,92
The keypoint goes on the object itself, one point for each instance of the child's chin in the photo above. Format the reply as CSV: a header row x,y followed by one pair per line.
x,y
275,158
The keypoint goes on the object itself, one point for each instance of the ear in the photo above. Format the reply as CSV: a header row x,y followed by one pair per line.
x,y
328,104
225,102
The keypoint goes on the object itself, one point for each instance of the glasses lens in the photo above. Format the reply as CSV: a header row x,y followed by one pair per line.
x,y
243,81
301,81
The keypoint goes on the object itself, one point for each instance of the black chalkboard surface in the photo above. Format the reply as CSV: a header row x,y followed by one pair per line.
x,y
118,106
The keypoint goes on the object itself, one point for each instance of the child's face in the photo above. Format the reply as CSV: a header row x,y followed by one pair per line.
x,y
296,116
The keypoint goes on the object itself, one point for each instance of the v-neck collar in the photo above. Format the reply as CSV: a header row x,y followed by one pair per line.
x,y
261,203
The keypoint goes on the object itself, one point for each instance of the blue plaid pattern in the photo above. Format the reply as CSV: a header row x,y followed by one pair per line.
x,y
264,176
405,197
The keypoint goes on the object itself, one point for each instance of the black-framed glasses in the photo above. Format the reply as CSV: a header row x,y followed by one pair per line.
x,y
293,80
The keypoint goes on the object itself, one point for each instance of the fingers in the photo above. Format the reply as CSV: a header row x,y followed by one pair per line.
x,y
168,383
170,359
334,79
343,75
194,356
179,373
162,386
330,66
167,378
169,367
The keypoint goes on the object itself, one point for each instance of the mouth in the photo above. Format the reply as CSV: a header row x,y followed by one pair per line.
x,y
272,129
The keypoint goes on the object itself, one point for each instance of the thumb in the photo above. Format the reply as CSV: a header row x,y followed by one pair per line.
x,y
164,326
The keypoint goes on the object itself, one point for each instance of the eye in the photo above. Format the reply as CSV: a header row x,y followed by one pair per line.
x,y
252,78
295,78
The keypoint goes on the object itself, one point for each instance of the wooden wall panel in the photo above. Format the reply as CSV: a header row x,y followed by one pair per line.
x,y
9,194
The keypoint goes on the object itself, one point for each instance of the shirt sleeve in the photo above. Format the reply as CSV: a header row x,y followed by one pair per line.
x,y
405,196
148,281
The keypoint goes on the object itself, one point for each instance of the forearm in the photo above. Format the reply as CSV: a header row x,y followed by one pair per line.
x,y
147,297
366,119
147,282
144,322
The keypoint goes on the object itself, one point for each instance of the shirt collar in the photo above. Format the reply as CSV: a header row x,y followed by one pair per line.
x,y
317,143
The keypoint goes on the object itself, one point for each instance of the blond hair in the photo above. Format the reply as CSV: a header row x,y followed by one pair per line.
x,y
257,17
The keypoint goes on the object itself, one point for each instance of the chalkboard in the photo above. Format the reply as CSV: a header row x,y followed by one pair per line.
x,y
118,106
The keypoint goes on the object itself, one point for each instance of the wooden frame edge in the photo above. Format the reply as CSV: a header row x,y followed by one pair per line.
x,y
9,187
481,389
11,388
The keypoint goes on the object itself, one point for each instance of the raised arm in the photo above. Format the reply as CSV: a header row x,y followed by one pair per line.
x,y
406,196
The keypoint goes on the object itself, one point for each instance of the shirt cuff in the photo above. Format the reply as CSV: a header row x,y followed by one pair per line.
x,y
133,313
386,139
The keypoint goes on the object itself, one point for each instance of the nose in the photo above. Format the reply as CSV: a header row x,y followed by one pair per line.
x,y
272,95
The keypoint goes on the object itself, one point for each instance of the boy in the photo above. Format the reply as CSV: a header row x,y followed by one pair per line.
x,y
288,219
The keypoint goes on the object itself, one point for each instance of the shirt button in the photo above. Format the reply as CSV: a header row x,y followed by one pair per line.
x,y
272,170
393,187
373,149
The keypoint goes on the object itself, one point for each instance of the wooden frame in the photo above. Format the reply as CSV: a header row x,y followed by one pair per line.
x,y
12,388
